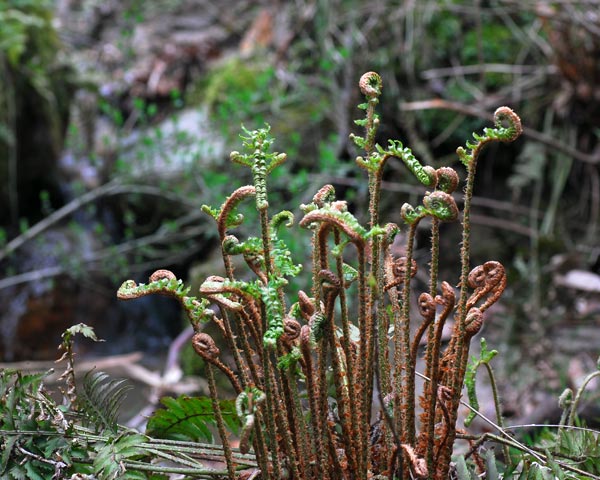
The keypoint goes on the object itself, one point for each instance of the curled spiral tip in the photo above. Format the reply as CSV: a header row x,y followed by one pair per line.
x,y
399,268
418,464
337,215
128,290
205,346
494,271
305,338
340,206
391,230
448,296
291,329
370,84
476,278
398,271
162,274
431,175
231,245
566,398
409,214
441,205
447,179
329,279
325,194
284,217
505,114
426,305
473,322
307,306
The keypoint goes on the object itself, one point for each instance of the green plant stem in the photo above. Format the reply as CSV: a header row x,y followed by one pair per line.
x,y
497,406
578,395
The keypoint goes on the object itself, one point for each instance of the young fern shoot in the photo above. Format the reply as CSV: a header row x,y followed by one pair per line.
x,y
304,364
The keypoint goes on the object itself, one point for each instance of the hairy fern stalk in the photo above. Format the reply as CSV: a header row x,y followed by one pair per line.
x,y
305,364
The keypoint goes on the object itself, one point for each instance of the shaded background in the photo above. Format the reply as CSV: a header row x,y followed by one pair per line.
x,y
117,117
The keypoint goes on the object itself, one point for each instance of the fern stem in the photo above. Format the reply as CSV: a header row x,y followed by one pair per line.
x,y
322,409
362,380
220,423
408,389
348,353
497,406
270,416
429,393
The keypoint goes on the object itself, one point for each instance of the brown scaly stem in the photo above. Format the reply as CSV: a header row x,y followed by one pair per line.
x,y
284,425
408,388
322,408
398,353
348,353
459,348
220,422
260,446
273,398
248,330
342,391
294,415
462,339
429,426
370,85
266,241
430,395
362,381
237,358
311,390
300,430
271,405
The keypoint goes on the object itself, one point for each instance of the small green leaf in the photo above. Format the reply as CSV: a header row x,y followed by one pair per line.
x,y
82,329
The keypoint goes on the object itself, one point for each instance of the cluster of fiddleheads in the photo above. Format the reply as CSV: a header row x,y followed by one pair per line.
x,y
304,364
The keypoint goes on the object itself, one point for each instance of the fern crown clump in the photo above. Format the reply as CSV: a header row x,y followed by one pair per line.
x,y
305,363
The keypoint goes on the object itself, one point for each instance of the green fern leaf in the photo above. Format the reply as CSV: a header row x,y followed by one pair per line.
x,y
109,462
7,447
189,418
32,471
102,399
17,472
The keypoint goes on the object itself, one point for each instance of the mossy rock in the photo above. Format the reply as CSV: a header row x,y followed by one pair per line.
x,y
34,111
247,91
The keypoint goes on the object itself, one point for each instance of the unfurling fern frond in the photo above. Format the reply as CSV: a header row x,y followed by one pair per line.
x,y
101,400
